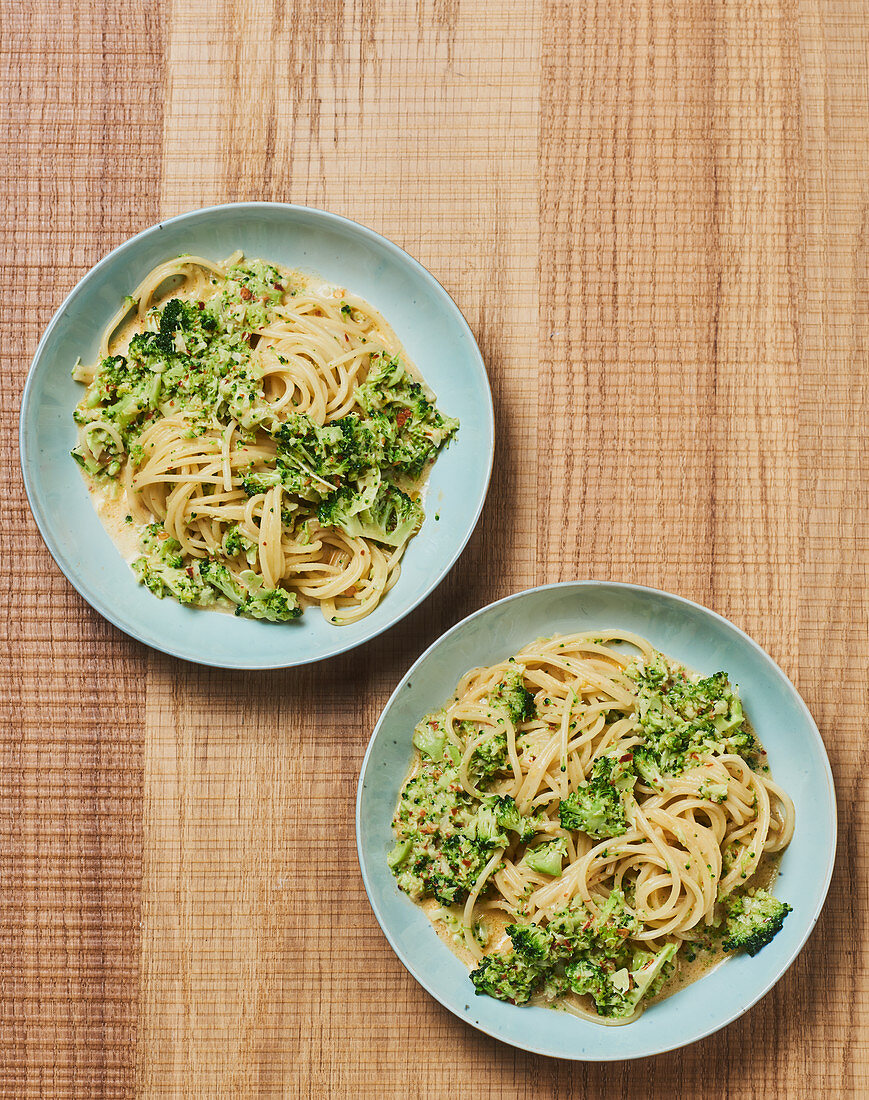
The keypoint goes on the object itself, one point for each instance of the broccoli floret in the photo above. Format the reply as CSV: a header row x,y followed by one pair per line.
x,y
141,398
87,462
430,736
452,836
617,993
390,516
605,935
597,807
509,817
346,448
181,327
358,446
162,568
112,372
222,581
490,757
165,580
511,977
647,766
547,858
682,718
589,977
753,919
302,442
511,695
594,949
484,826
236,544
277,605
261,482
416,428
531,941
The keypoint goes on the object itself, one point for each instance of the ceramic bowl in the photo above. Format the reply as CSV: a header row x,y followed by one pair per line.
x,y
705,642
427,322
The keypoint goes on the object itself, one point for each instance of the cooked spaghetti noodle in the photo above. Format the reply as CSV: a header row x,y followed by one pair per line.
x,y
583,817
264,436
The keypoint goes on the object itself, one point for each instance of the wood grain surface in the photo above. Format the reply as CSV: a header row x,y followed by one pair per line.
x,y
654,216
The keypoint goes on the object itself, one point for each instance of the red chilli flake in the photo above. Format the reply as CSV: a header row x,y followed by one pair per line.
x,y
626,757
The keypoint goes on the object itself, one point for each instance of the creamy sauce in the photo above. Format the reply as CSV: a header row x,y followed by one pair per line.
x,y
112,506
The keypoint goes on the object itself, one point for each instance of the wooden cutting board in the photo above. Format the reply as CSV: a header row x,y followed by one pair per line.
x,y
654,216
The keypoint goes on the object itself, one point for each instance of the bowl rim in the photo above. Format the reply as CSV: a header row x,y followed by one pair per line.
x,y
41,516
667,1046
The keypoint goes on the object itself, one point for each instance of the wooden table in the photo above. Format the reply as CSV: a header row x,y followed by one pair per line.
x,y
654,215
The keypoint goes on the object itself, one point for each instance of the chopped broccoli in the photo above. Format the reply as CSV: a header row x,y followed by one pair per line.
x,y
547,858
578,951
399,852
511,695
162,570
222,581
490,757
450,872
597,807
451,835
617,993
511,977
261,481
753,920
531,941
251,288
390,517
416,428
682,717
484,826
606,933
430,736
236,544
509,817
277,605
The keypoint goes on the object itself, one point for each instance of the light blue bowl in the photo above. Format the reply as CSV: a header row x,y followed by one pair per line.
x,y
427,322
705,642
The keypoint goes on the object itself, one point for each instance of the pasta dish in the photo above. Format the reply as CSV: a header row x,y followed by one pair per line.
x,y
257,441
590,825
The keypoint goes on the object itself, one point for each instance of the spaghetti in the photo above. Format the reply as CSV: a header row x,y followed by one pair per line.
x,y
264,436
583,818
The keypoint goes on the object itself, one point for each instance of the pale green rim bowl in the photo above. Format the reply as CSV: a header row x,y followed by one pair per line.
x,y
702,640
427,322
